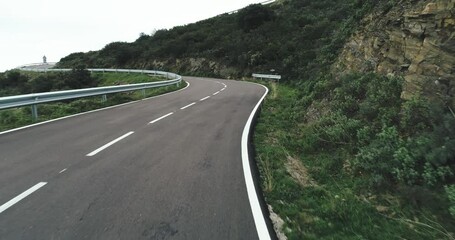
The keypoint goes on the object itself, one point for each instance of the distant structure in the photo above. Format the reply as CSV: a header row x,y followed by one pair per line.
x,y
44,59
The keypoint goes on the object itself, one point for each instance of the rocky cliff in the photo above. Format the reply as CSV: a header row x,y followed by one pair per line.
x,y
411,38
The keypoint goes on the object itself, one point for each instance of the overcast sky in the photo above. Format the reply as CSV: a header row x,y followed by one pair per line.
x,y
30,29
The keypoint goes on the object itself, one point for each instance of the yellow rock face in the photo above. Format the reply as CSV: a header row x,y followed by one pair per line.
x,y
416,41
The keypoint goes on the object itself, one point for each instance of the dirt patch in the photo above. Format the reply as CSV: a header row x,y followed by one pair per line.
x,y
277,224
274,90
299,172
316,111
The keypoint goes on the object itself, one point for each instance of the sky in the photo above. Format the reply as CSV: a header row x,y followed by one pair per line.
x,y
30,29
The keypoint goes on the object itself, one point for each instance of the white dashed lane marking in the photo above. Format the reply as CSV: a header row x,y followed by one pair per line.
x,y
21,196
202,99
165,116
187,106
109,144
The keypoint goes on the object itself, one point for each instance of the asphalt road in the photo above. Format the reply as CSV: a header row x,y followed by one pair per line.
x,y
162,168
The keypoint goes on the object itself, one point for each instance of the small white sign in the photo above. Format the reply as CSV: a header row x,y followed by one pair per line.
x,y
269,76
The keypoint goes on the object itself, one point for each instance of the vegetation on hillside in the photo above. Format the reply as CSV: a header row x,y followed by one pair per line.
x,y
359,162
296,38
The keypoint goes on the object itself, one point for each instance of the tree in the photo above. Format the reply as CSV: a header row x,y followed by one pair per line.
x,y
254,16
78,78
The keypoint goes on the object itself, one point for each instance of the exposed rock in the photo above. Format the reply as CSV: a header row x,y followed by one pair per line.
x,y
200,66
415,39
277,224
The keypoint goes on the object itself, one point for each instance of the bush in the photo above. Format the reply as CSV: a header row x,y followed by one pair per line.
x,y
334,130
450,191
254,16
392,141
376,159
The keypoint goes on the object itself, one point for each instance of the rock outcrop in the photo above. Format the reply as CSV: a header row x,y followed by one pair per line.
x,y
199,66
414,39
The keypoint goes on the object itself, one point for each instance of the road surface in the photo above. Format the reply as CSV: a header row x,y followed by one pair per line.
x,y
164,168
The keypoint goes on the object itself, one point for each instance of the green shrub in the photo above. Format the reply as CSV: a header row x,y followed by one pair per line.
x,y
428,157
450,191
375,160
335,129
415,116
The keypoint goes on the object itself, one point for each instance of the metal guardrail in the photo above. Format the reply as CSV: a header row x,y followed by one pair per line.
x,y
37,98
269,76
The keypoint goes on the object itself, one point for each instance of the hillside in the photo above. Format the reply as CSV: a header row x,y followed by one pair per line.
x,y
359,140
295,38
414,39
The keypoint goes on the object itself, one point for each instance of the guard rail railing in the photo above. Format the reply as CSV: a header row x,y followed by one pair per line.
x,y
37,98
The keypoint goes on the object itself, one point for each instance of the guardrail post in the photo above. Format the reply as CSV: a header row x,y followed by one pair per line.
x,y
104,98
143,93
35,112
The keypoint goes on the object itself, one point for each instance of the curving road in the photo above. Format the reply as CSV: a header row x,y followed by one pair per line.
x,y
169,167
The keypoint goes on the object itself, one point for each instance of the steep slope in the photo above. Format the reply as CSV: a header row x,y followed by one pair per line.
x,y
414,39
367,149
296,38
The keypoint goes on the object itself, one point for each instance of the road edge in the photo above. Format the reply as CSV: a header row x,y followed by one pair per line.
x,y
264,228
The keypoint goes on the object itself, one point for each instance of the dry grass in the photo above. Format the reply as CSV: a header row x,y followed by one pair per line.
x,y
267,175
299,172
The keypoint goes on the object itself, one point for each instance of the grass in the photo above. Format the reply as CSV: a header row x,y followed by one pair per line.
x,y
110,79
337,205
18,117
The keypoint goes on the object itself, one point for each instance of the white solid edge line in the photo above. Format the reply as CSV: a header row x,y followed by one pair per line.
x,y
202,99
21,196
187,106
96,110
160,118
216,93
108,144
259,220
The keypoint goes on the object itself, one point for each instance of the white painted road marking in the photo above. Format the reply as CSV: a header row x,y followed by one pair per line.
x,y
204,98
21,196
216,93
108,145
187,106
62,171
258,216
160,118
